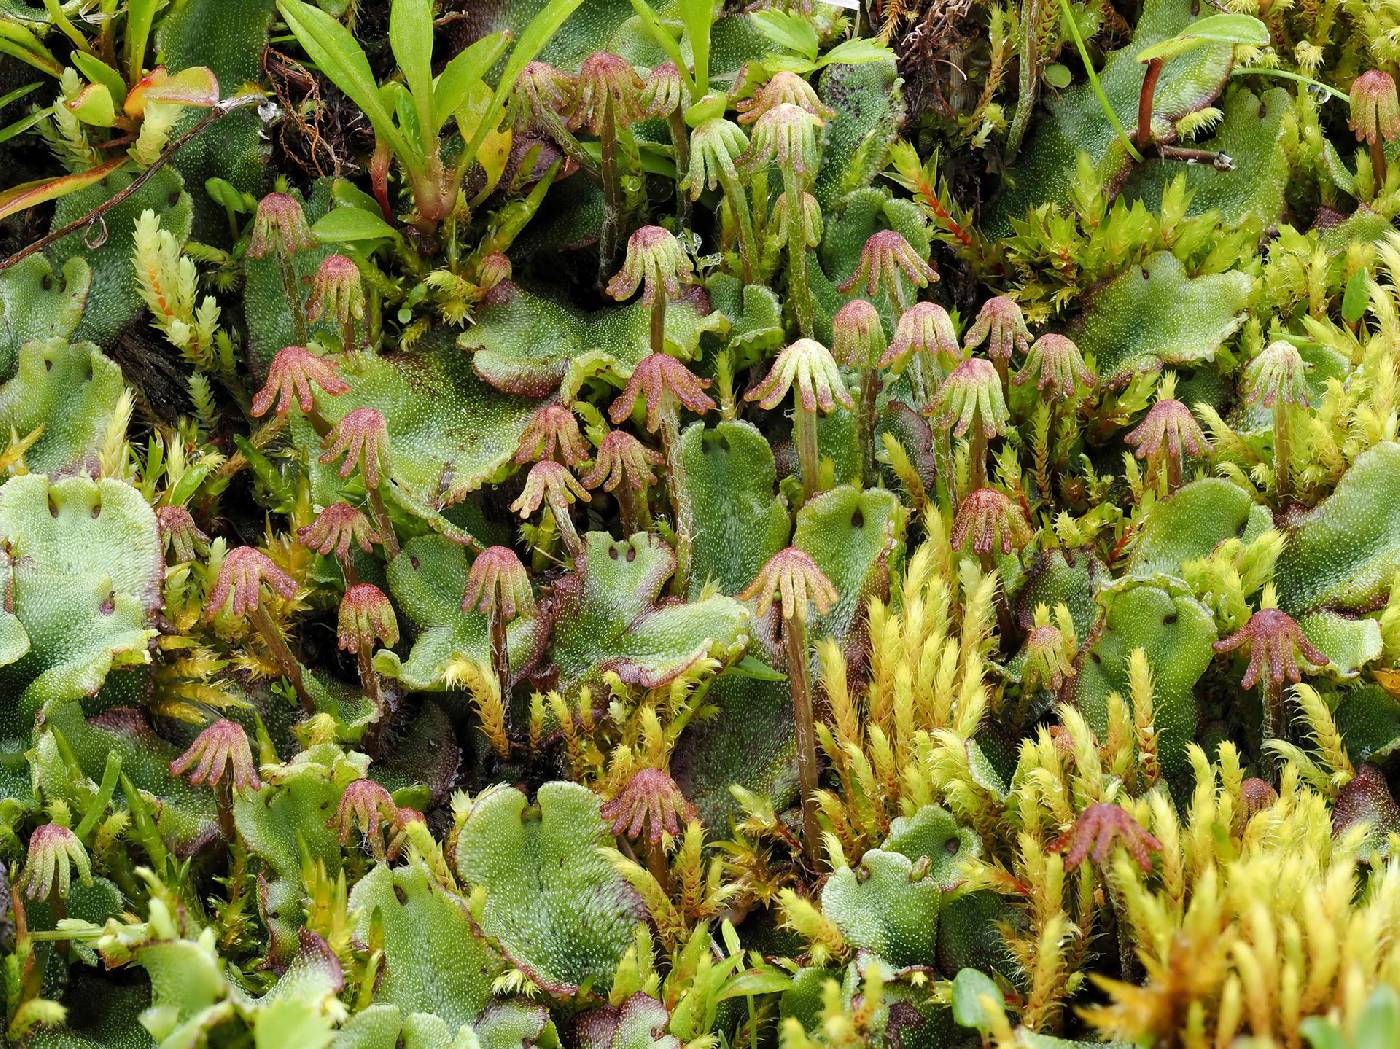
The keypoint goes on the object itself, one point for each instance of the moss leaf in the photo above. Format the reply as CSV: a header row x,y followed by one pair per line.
x,y
1155,315
1176,633
854,537
1345,552
1045,168
1251,136
606,617
37,303
740,520
1191,523
884,909
638,1023
434,962
448,431
750,742
113,275
84,573
427,581
508,353
68,389
555,904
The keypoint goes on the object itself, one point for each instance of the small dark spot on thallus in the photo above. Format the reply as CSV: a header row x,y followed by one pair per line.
x,y
402,896
1170,618
951,846
858,519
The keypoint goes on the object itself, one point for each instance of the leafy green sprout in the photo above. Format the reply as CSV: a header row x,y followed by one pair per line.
x,y
409,116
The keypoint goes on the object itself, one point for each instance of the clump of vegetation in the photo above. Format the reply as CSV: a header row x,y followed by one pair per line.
x,y
544,523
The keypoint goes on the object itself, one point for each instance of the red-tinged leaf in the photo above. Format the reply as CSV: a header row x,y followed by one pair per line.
x,y
27,194
93,105
196,86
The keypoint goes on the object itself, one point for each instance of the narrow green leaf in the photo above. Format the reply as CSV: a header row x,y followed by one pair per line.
x,y
195,86
350,195
23,124
342,225
1213,29
99,72
856,52
1356,296
538,33
1322,1033
970,987
793,32
698,17
333,48
18,93
1326,90
188,484
226,195
755,668
28,194
411,40
466,69
98,808
93,105
1379,1023
756,981
1104,104
398,99
139,16
789,63
664,40
19,42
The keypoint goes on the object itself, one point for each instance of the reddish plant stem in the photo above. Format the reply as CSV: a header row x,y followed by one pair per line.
x,y
379,178
804,720
680,142
1173,473
30,980
680,498
612,196
657,865
369,681
282,655
222,109
1142,137
1283,470
500,658
658,321
977,456
383,523
928,196
223,805
808,453
627,507
869,416
1273,727
292,290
